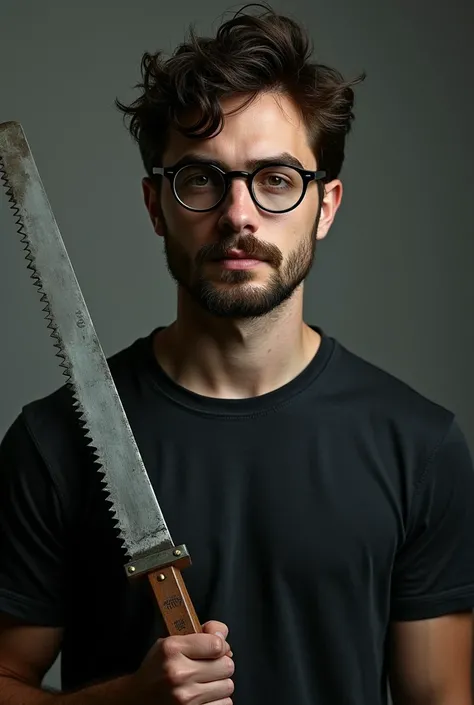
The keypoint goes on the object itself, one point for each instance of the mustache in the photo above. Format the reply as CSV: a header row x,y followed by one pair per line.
x,y
251,245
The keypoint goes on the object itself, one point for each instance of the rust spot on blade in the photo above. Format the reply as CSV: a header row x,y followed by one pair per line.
x,y
14,153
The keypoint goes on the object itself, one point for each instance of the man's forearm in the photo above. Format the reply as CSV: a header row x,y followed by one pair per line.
x,y
117,691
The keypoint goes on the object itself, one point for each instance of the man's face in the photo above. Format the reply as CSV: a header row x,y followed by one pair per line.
x,y
238,260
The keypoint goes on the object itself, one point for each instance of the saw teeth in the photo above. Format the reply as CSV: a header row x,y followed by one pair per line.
x,y
61,354
77,406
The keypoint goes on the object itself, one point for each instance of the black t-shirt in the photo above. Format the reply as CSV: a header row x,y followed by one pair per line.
x,y
314,516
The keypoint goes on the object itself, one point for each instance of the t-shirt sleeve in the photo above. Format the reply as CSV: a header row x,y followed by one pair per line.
x,y
31,533
434,569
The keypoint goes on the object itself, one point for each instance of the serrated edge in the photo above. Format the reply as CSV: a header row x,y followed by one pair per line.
x,y
61,351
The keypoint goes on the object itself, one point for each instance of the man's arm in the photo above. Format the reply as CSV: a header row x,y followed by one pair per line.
x,y
430,661
33,542
432,591
192,668
26,654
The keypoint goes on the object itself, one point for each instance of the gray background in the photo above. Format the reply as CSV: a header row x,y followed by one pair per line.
x,y
394,279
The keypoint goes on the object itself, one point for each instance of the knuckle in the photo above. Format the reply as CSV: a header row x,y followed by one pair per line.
x,y
230,665
170,646
229,686
183,696
215,644
174,673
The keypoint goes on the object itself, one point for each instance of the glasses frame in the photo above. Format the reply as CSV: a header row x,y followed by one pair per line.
x,y
172,172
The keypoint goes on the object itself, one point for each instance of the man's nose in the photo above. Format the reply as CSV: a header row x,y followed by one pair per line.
x,y
239,212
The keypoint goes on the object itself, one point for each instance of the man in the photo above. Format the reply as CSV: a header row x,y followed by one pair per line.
x,y
328,507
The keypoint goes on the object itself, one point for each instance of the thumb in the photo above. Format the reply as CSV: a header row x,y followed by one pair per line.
x,y
214,627
219,629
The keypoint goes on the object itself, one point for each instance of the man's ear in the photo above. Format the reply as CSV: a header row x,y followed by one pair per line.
x,y
152,199
331,202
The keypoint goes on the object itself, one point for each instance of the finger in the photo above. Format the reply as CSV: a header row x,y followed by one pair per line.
x,y
210,671
215,692
194,646
213,626
227,645
219,628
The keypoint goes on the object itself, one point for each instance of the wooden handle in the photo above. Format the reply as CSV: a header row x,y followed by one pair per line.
x,y
174,602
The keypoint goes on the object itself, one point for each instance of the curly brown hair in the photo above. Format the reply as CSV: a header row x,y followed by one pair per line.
x,y
250,54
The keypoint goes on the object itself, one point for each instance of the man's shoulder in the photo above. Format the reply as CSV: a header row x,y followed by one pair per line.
x,y
385,398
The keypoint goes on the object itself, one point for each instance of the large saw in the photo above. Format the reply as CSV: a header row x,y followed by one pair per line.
x,y
134,508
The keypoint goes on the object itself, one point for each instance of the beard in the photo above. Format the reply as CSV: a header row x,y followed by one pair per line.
x,y
232,293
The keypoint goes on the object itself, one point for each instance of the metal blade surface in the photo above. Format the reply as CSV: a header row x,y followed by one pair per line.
x,y
135,509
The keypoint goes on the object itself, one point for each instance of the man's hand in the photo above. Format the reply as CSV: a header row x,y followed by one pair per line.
x,y
195,669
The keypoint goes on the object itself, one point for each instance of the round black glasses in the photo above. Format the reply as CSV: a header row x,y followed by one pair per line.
x,y
276,188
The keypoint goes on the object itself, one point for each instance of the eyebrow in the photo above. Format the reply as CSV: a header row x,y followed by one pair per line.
x,y
252,164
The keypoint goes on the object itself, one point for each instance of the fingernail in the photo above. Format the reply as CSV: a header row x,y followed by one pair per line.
x,y
221,635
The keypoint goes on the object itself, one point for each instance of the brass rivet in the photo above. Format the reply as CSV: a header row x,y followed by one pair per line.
x,y
161,577
177,552
131,569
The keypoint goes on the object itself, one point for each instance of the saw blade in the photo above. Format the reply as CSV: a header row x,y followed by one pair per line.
x,y
134,507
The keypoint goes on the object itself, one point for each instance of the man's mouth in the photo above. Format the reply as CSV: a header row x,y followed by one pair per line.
x,y
238,259
239,255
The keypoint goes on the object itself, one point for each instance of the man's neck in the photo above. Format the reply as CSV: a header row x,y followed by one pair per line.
x,y
232,359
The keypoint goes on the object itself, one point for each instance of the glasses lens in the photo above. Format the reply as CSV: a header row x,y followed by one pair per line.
x,y
199,186
278,188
